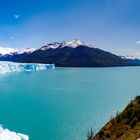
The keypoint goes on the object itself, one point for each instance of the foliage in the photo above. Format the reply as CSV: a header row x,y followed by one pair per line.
x,y
90,134
125,125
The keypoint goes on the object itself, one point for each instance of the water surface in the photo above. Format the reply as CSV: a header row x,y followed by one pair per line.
x,y
64,103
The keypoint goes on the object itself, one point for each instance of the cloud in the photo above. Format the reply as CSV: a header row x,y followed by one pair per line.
x,y
138,42
16,16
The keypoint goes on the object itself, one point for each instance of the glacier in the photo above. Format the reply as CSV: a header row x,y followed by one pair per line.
x,y
7,67
6,134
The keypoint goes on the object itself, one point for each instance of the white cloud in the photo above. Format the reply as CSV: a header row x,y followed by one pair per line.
x,y
138,42
16,16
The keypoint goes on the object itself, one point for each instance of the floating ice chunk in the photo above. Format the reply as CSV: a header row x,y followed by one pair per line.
x,y
6,134
15,67
23,137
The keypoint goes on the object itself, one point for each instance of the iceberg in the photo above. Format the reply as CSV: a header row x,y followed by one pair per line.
x,y
6,134
6,67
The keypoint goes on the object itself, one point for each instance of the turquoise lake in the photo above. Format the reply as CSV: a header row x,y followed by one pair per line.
x,y
62,104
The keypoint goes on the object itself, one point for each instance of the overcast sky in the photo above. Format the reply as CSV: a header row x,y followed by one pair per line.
x,y
112,25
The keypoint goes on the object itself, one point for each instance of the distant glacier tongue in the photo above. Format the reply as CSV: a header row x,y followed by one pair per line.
x,y
6,67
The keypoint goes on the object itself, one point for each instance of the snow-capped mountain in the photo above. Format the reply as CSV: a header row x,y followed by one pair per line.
x,y
50,46
130,57
27,50
11,51
4,51
71,44
73,53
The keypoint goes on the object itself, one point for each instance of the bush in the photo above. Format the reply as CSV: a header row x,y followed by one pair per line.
x,y
107,134
130,105
101,133
90,134
120,130
118,119
119,134
133,122
137,99
128,113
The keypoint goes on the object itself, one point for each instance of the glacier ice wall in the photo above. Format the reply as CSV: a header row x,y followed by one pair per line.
x,y
6,67
6,134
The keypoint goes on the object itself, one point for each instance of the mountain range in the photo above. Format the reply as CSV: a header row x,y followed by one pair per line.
x,y
73,53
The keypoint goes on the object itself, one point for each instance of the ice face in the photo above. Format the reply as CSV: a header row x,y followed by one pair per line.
x,y
6,67
6,134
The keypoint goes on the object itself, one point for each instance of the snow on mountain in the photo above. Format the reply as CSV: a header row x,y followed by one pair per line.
x,y
129,57
73,43
4,51
73,53
50,46
27,50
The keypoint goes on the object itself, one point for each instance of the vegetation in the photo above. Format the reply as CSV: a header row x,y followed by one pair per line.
x,y
90,134
124,126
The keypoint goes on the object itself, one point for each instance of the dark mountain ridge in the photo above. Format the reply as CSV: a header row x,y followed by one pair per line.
x,y
69,54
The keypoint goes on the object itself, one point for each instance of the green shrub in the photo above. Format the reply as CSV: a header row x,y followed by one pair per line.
x,y
137,99
128,113
119,134
130,105
101,133
133,122
107,134
90,134
118,118
120,130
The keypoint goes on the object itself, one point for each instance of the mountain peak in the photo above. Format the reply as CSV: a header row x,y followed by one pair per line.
x,y
73,43
4,51
53,45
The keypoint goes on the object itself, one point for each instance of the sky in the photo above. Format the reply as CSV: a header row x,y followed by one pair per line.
x,y
111,25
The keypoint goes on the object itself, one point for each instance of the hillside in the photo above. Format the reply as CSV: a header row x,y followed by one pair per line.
x,y
125,126
69,54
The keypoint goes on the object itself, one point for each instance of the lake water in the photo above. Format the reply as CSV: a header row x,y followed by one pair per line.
x,y
62,104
